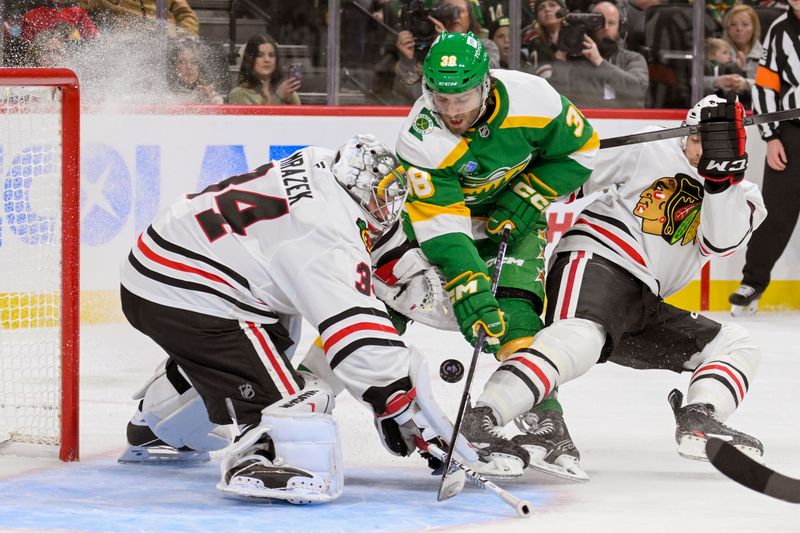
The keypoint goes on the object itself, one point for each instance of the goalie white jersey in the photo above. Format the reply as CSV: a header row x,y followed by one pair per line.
x,y
655,219
285,240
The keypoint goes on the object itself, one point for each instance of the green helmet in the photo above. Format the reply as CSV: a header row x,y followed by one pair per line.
x,y
456,63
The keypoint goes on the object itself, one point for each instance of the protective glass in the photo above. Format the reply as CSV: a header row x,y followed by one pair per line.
x,y
459,103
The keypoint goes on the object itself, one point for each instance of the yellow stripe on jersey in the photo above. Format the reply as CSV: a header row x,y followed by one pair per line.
x,y
526,122
456,154
431,220
592,144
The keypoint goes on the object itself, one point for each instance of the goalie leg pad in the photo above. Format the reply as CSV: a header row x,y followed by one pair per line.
x,y
172,422
291,456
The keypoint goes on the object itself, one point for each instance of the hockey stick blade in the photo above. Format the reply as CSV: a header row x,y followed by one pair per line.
x,y
522,507
753,475
498,267
684,131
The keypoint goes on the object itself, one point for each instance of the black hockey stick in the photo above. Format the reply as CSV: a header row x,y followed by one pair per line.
x,y
522,507
684,131
753,475
445,490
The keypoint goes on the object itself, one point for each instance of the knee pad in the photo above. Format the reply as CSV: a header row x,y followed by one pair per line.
x,y
179,418
562,351
316,396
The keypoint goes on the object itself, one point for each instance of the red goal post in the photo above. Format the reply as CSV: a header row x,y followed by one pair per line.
x,y
40,232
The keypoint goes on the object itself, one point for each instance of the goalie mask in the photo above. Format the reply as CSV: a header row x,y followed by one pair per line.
x,y
369,172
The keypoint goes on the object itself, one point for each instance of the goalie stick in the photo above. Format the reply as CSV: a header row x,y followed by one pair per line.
x,y
684,131
448,490
750,473
522,507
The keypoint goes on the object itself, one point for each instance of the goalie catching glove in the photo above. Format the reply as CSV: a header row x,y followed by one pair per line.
x,y
476,307
519,207
723,138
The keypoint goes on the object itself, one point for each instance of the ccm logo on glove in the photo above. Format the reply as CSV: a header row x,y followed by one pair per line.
x,y
523,190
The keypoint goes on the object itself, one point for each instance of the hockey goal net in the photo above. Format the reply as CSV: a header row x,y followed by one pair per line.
x,y
39,252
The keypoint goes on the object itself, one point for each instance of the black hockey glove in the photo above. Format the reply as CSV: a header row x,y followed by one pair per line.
x,y
722,136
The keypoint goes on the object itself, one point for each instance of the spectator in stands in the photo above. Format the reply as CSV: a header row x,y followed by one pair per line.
x,y
186,78
408,70
743,30
541,37
722,75
49,48
261,80
56,13
605,74
500,33
124,13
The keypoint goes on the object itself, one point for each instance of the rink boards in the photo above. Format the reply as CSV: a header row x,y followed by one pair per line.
x,y
136,162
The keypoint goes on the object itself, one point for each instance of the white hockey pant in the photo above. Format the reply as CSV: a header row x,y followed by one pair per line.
x,y
723,370
560,352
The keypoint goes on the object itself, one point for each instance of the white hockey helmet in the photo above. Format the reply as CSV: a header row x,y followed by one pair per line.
x,y
370,173
693,116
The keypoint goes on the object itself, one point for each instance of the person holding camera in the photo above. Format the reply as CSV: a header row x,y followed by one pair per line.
x,y
421,27
599,71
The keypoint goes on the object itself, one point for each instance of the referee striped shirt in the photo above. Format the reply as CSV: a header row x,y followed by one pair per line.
x,y
777,85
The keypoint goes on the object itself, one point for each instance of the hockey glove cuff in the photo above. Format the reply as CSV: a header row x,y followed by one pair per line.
x,y
520,207
475,307
723,138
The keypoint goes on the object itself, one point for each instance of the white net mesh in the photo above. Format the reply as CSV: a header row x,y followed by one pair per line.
x,y
30,264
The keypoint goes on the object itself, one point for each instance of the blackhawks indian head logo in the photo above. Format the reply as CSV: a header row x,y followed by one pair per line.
x,y
363,227
670,207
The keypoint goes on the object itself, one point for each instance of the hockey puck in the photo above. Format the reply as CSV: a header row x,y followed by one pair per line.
x,y
451,370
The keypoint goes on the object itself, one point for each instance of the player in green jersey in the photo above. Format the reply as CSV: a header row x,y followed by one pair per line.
x,y
484,150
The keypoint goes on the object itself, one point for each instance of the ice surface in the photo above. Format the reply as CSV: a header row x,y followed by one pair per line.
x,y
618,417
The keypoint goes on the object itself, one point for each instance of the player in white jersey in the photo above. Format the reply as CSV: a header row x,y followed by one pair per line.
x,y
221,281
640,241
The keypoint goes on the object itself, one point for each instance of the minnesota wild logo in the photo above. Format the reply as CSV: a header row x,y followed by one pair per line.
x,y
365,236
670,208
423,123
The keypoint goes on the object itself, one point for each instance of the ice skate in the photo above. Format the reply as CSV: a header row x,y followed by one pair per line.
x,y
252,470
549,444
744,301
499,457
145,447
697,421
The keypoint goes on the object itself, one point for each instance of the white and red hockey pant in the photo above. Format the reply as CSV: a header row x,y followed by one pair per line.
x,y
723,370
560,352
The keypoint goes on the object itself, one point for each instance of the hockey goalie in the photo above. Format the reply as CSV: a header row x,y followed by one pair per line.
x,y
221,280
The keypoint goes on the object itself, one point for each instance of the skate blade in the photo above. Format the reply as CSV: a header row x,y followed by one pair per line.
x,y
694,448
745,310
161,454
245,489
565,467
